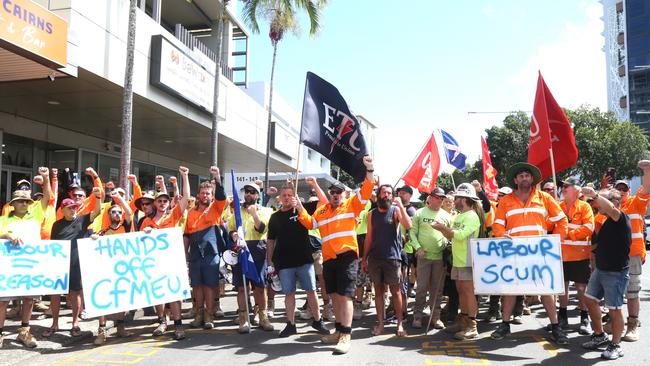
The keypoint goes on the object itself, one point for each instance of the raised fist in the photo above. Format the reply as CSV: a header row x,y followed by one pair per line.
x,y
311,181
44,172
214,171
132,178
91,172
644,164
183,170
96,192
272,191
54,172
172,180
367,161
38,180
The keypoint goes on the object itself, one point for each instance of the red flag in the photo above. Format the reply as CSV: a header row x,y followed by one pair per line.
x,y
490,185
550,127
423,171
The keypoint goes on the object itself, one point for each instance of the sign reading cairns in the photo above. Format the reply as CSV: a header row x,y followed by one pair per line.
x,y
529,265
134,270
177,73
34,268
32,31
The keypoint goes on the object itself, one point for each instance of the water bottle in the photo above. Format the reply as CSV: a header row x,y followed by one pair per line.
x,y
273,279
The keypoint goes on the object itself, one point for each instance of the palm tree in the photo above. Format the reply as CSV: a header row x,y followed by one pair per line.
x,y
281,15
127,102
221,25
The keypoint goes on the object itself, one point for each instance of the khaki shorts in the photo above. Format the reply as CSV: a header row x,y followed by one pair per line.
x,y
318,262
461,274
386,271
634,286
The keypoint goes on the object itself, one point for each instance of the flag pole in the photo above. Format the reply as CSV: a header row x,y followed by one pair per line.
x,y
452,179
246,296
412,161
553,171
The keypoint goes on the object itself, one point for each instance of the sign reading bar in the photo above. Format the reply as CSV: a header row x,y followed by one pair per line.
x,y
523,265
178,74
134,270
38,268
34,32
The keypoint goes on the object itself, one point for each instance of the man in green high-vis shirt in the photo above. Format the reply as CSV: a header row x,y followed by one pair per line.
x,y
429,244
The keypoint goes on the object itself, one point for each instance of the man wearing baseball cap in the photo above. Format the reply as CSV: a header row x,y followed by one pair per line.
x,y
525,212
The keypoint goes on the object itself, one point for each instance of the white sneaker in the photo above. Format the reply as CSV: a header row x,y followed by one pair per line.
x,y
612,352
305,314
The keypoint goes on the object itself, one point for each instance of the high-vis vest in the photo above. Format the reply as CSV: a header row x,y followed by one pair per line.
x,y
489,217
577,244
338,226
516,218
635,208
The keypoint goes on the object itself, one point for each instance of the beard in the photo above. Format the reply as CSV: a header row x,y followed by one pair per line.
x,y
249,201
384,203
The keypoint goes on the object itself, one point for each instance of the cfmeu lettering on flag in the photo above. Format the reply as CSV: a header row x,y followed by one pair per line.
x,y
528,265
132,276
339,124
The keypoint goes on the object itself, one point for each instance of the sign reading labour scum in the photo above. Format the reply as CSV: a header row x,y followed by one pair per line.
x,y
134,270
529,265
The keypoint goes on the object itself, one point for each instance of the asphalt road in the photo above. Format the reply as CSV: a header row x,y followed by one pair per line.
x,y
526,346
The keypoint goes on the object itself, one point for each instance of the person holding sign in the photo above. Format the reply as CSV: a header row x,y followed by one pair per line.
x,y
23,225
161,219
610,278
203,229
72,226
525,212
468,224
120,222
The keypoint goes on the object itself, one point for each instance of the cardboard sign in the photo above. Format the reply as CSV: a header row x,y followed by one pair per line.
x,y
525,265
131,271
37,268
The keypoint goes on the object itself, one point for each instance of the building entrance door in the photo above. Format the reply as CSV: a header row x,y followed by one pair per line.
x,y
10,176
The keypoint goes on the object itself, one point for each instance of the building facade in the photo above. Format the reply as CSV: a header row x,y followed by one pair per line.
x,y
62,84
627,51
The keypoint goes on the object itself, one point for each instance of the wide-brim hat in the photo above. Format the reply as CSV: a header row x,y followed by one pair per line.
x,y
517,168
147,195
21,196
162,194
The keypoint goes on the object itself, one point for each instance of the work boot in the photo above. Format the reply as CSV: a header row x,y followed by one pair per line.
x,y
25,337
357,313
121,331
328,312
367,300
265,323
13,312
332,338
198,318
470,331
417,321
632,332
343,346
218,312
190,313
256,311
39,306
101,336
244,325
208,320
459,324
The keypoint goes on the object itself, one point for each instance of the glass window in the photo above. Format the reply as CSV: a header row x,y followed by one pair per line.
x,y
146,175
88,160
109,168
166,173
17,151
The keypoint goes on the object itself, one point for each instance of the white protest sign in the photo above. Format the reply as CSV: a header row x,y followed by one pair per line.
x,y
525,265
34,268
134,270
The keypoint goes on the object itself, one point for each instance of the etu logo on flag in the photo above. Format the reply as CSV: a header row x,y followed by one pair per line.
x,y
454,154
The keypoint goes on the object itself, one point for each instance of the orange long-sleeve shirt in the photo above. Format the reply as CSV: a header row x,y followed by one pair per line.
x,y
635,207
577,244
88,204
337,226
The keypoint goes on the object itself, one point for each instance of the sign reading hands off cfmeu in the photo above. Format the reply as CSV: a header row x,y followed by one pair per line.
x,y
34,268
523,265
134,270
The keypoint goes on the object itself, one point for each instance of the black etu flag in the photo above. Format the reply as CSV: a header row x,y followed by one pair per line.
x,y
330,128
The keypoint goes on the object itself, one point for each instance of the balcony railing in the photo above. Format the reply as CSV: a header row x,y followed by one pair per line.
x,y
194,43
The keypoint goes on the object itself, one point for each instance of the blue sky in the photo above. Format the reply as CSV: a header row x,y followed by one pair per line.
x,y
411,67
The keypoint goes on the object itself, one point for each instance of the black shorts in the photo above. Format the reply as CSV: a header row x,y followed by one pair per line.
x,y
75,270
340,274
577,271
412,259
361,241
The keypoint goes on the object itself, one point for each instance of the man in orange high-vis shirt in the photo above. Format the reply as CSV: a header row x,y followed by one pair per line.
x,y
635,207
525,212
336,222
576,251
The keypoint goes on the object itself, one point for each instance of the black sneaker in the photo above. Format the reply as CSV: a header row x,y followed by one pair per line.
x,y
563,322
492,315
596,341
304,306
502,330
289,330
319,327
558,336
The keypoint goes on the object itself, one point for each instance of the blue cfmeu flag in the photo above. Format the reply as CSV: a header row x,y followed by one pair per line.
x,y
455,156
329,127
245,259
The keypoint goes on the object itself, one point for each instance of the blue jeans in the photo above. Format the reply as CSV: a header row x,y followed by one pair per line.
x,y
304,274
610,285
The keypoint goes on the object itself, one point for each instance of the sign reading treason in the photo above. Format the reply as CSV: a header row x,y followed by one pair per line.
x,y
134,270
523,265
39,268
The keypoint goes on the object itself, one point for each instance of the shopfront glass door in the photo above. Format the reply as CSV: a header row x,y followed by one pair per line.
x,y
10,176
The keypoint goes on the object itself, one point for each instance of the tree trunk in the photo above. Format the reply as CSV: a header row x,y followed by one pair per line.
x,y
221,25
268,127
127,102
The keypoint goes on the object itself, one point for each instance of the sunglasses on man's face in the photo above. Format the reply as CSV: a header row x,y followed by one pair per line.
x,y
250,191
116,212
547,189
79,195
333,192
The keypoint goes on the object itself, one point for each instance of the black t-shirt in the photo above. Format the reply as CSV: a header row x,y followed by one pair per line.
x,y
71,230
292,247
614,241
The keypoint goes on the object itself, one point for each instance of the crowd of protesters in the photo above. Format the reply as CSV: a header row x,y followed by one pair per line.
x,y
356,247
